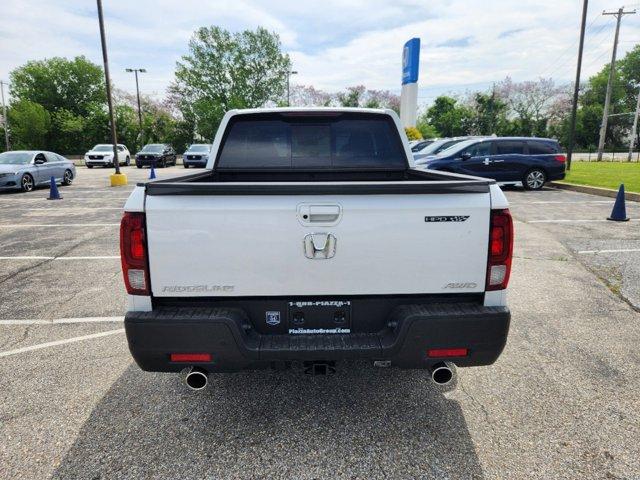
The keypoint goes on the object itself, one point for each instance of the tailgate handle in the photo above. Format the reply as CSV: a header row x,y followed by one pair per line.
x,y
320,213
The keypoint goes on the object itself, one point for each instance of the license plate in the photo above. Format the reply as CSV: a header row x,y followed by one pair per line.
x,y
319,317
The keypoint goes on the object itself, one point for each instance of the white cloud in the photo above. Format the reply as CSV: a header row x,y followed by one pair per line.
x,y
334,43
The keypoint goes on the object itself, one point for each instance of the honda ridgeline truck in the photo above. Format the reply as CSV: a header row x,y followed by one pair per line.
x,y
311,239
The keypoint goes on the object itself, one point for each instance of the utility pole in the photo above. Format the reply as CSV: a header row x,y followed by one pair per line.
x,y
6,119
576,88
105,59
607,100
289,73
136,70
634,129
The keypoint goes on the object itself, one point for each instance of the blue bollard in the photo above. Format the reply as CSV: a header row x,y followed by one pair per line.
x,y
152,173
619,212
54,194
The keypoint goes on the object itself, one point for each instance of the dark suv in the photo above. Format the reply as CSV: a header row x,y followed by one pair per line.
x,y
508,160
158,155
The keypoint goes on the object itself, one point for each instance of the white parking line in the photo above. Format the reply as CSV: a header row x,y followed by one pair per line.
x,y
62,321
48,225
48,209
97,257
7,201
562,203
574,221
59,342
622,250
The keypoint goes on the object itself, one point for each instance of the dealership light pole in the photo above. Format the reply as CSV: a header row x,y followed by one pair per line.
x,y
117,178
576,87
289,73
136,70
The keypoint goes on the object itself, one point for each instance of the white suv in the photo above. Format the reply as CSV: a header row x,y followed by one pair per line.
x,y
102,155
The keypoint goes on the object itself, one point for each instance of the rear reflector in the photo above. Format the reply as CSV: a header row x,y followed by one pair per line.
x,y
500,250
560,158
190,357
447,352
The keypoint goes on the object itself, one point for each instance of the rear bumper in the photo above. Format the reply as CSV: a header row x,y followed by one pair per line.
x,y
556,176
98,163
234,345
147,162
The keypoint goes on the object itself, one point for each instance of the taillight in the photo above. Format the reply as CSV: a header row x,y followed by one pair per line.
x,y
133,253
560,158
500,250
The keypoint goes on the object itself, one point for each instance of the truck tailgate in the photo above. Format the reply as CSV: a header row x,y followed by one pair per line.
x,y
275,245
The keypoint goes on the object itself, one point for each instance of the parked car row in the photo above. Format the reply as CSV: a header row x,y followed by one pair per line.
x,y
528,161
159,155
26,169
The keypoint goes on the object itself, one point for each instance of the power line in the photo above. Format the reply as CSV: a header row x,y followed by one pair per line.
x,y
595,40
570,48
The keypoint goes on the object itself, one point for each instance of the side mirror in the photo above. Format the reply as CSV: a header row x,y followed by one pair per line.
x,y
39,161
466,156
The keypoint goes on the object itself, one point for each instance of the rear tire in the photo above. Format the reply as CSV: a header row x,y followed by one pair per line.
x,y
67,178
185,165
27,184
534,179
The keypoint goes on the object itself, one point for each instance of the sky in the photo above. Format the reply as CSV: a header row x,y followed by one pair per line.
x,y
333,44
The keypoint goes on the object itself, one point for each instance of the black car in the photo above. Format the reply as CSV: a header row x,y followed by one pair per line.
x,y
508,160
157,155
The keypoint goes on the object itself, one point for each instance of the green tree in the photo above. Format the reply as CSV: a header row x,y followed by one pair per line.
x,y
425,128
30,123
225,70
489,114
352,97
59,83
624,92
449,117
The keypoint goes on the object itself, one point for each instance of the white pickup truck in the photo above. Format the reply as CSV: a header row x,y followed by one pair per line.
x,y
310,239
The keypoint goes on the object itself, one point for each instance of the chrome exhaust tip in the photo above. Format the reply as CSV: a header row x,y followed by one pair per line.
x,y
441,374
197,378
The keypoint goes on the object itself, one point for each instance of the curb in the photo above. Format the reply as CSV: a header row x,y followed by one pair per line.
x,y
603,192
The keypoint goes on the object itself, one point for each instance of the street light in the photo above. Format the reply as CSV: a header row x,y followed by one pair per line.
x,y
289,73
136,70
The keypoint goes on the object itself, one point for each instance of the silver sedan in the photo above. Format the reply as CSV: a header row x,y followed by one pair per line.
x,y
25,169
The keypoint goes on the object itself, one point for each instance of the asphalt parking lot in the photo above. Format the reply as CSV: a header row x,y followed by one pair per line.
x,y
561,402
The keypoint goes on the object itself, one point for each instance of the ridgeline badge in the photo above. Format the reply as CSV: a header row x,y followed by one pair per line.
x,y
446,218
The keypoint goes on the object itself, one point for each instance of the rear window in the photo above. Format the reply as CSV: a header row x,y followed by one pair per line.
x,y
542,148
344,141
